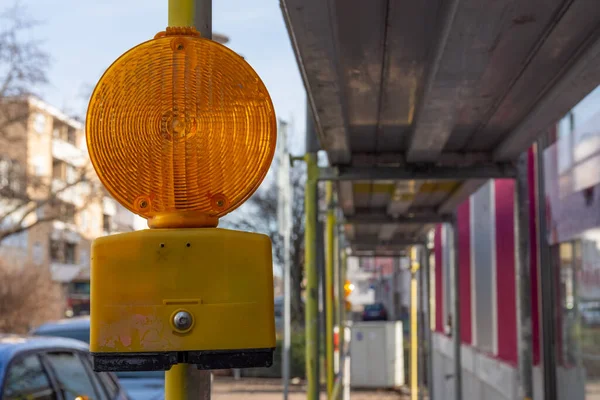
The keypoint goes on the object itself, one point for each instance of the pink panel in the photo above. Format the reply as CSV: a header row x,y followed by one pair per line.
x,y
505,270
464,254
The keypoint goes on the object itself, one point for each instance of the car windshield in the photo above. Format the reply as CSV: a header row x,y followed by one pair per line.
x,y
373,307
84,336
141,375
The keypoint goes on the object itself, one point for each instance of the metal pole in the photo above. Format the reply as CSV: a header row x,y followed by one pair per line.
x,y
523,279
456,312
287,320
196,13
427,327
320,343
312,277
546,271
185,381
284,209
341,300
329,305
312,147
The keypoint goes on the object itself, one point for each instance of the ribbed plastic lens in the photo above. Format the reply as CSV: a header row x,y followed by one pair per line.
x,y
181,123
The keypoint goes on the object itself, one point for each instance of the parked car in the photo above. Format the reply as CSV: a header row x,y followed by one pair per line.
x,y
590,313
375,312
142,385
44,368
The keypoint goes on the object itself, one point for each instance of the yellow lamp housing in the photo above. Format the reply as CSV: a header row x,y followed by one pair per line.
x,y
142,282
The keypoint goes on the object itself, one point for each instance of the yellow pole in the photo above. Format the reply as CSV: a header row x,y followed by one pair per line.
x,y
414,362
312,277
178,385
176,382
181,12
329,299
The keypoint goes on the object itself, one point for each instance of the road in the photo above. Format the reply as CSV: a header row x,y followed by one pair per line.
x,y
225,388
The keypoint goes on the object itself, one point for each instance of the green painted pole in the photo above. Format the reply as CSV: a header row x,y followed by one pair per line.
x,y
329,283
310,269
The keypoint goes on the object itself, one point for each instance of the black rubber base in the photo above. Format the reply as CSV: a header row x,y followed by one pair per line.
x,y
217,359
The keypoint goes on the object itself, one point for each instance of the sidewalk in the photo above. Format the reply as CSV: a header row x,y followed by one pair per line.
x,y
225,388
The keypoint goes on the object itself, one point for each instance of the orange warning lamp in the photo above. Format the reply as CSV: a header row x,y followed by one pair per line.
x,y
348,288
181,130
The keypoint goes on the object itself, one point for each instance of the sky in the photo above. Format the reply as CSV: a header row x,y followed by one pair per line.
x,y
84,37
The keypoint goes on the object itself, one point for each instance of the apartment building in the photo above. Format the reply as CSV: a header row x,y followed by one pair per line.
x,y
44,167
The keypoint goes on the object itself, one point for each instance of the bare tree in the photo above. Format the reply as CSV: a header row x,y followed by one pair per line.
x,y
23,65
28,298
27,200
260,215
40,200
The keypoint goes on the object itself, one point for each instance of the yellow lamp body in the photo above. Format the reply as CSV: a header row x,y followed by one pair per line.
x,y
222,278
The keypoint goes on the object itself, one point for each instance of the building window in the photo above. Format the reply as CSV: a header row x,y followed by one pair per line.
x,y
39,123
71,173
55,251
70,253
106,222
12,179
62,251
64,211
71,135
59,169
69,215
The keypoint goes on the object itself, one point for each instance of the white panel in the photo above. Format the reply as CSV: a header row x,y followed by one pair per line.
x,y
468,358
497,375
483,267
538,383
398,361
377,355
471,386
490,393
570,384
494,291
483,377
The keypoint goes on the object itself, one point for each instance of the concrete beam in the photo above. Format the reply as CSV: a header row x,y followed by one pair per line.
x,y
417,172
378,218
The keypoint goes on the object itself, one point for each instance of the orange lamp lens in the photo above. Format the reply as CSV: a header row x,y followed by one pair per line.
x,y
181,124
348,288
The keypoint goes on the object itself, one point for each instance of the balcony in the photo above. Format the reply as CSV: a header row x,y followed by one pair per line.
x,y
67,152
65,273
